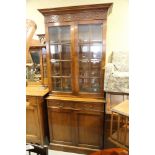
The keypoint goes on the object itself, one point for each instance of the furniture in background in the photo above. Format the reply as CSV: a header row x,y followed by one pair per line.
x,y
30,30
116,84
36,149
120,135
76,49
36,110
117,73
36,115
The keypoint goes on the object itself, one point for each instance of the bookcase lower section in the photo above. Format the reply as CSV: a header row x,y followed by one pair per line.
x,y
75,125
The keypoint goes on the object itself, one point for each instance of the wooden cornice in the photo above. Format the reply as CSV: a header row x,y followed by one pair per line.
x,y
73,9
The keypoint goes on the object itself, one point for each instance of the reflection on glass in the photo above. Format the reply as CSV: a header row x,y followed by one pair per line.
x,y
96,32
84,68
35,55
56,84
95,64
65,33
66,68
95,68
55,51
95,85
96,51
84,51
66,84
65,52
83,31
54,34
59,34
33,71
95,73
84,84
56,68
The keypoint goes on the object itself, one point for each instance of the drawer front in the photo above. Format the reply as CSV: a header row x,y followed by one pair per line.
x,y
76,105
89,106
31,101
60,104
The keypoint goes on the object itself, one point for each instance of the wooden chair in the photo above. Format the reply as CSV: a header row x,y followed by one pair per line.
x,y
112,151
36,149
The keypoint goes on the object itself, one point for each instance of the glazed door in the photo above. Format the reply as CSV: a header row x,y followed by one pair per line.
x,y
32,121
90,56
60,57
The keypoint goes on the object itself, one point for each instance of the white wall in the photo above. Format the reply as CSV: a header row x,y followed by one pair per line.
x,y
117,21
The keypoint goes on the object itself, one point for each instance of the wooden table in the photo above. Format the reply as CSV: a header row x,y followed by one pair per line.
x,y
120,136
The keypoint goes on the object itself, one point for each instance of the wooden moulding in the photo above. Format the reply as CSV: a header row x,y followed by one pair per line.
x,y
73,9
76,13
72,98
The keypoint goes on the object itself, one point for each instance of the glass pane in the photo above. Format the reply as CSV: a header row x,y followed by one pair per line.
x,y
96,32
54,34
56,68
56,84
84,68
95,73
35,55
66,84
55,51
95,85
83,31
59,34
65,52
95,68
84,52
96,51
33,71
84,84
65,34
66,68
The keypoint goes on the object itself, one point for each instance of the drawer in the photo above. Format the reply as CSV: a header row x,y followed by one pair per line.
x,y
89,106
31,101
60,104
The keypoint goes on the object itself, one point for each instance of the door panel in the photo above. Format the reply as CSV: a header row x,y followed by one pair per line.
x,y
60,125
32,121
90,129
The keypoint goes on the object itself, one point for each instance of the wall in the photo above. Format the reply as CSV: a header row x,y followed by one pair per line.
x,y
117,21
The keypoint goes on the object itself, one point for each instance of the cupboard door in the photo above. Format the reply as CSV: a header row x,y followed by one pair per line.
x,y
32,121
60,57
90,45
60,125
90,129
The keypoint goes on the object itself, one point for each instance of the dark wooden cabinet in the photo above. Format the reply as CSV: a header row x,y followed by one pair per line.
x,y
76,49
75,124
36,119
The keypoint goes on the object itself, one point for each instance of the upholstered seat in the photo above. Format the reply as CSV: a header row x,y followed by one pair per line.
x,y
117,73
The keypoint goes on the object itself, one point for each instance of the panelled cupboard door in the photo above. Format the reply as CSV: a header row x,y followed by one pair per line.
x,y
32,120
89,129
60,125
